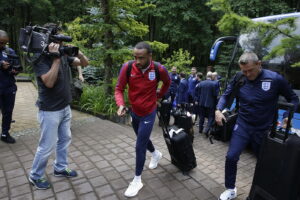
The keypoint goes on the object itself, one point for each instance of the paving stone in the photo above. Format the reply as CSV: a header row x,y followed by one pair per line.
x,y
83,188
185,194
164,192
23,197
92,173
20,180
98,181
104,190
14,173
3,192
3,182
118,184
43,194
61,186
20,190
66,195
112,197
89,196
202,193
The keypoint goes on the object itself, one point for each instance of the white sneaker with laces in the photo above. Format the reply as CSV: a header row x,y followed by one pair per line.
x,y
154,160
133,188
228,194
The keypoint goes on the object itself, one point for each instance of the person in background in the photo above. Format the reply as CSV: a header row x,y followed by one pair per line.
x,y
182,91
207,92
8,87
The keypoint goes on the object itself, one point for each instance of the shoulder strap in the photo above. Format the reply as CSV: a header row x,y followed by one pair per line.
x,y
129,67
238,82
156,67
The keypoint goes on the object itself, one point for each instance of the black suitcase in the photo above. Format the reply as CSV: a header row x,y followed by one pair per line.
x,y
277,172
180,147
224,132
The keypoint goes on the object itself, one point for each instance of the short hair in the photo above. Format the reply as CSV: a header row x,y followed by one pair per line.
x,y
199,75
182,75
143,45
209,74
247,57
194,68
3,34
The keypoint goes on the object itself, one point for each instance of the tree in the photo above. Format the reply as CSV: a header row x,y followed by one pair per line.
x,y
182,24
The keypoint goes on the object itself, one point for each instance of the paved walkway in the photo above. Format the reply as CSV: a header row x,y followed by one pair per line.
x,y
104,155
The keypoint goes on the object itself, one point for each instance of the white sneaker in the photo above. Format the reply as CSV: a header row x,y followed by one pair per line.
x,y
133,188
154,160
228,194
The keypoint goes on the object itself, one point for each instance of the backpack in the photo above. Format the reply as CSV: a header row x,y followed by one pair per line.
x,y
156,65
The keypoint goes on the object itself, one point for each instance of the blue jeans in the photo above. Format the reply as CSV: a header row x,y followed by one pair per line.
x,y
55,133
142,127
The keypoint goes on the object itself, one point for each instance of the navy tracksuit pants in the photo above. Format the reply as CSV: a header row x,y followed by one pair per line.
x,y
142,127
7,103
241,137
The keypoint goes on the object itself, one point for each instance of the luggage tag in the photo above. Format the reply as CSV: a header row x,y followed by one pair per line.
x,y
172,131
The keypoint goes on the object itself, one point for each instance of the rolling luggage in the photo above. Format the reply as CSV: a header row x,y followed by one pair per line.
x,y
277,173
180,147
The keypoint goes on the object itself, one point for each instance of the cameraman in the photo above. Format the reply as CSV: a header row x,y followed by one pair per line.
x,y
54,116
8,87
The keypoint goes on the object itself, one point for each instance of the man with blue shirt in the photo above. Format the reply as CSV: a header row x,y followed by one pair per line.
x,y
258,98
175,80
8,87
206,93
192,82
182,91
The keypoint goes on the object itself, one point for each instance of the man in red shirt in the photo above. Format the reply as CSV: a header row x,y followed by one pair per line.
x,y
142,76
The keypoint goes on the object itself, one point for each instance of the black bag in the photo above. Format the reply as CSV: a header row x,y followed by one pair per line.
x,y
180,147
182,120
224,132
277,175
165,110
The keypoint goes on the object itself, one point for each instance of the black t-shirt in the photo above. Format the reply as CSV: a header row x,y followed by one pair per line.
x,y
58,97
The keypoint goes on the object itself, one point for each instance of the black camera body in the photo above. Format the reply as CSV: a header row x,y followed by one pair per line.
x,y
35,39
14,64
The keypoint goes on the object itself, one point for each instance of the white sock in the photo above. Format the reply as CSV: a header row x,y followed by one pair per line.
x,y
155,153
137,178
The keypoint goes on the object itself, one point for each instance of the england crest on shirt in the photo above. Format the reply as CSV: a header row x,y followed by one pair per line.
x,y
151,76
266,85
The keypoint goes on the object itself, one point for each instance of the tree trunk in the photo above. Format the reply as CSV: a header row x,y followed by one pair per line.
x,y
108,44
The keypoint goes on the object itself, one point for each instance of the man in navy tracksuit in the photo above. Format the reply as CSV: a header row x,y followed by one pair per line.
x,y
182,91
192,82
174,84
8,88
205,96
258,99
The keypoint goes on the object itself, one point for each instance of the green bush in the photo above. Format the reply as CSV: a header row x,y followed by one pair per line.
x,y
95,99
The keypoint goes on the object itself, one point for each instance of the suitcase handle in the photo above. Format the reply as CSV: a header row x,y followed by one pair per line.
x,y
290,108
164,127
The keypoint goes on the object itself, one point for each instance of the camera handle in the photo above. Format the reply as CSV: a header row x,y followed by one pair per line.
x,y
29,58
